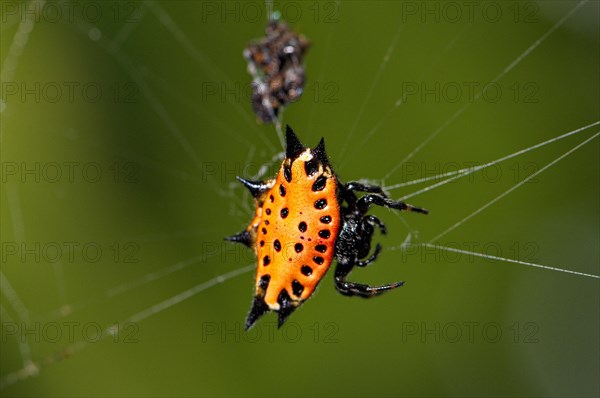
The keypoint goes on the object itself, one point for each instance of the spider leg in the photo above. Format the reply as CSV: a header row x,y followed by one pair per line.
x,y
364,263
367,200
376,221
360,187
358,289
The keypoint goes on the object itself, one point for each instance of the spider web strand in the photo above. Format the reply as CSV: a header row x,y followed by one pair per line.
x,y
506,70
508,260
524,181
474,169
68,351
367,99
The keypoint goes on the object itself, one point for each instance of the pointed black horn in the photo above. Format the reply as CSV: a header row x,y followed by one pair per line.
x,y
256,188
293,146
259,307
243,237
286,307
320,152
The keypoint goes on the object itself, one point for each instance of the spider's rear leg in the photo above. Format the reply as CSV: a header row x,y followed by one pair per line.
x,y
358,289
366,201
369,222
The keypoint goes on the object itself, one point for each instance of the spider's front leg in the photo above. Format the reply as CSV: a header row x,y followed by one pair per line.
x,y
355,186
372,220
373,257
359,289
349,191
366,201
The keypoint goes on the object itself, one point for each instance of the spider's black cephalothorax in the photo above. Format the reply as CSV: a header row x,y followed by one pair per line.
x,y
354,240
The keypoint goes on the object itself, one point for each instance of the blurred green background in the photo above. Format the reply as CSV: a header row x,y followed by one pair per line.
x,y
124,125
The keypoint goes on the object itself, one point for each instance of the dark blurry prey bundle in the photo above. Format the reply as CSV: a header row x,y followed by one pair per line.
x,y
275,63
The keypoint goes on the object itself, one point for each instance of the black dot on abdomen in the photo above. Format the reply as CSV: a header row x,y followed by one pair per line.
x,y
306,270
319,184
324,233
302,226
325,219
320,204
311,167
321,248
284,212
297,288
319,260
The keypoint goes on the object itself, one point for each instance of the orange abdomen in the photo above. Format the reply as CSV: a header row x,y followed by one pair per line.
x,y
295,239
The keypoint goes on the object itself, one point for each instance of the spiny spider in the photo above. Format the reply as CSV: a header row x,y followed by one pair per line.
x,y
305,217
